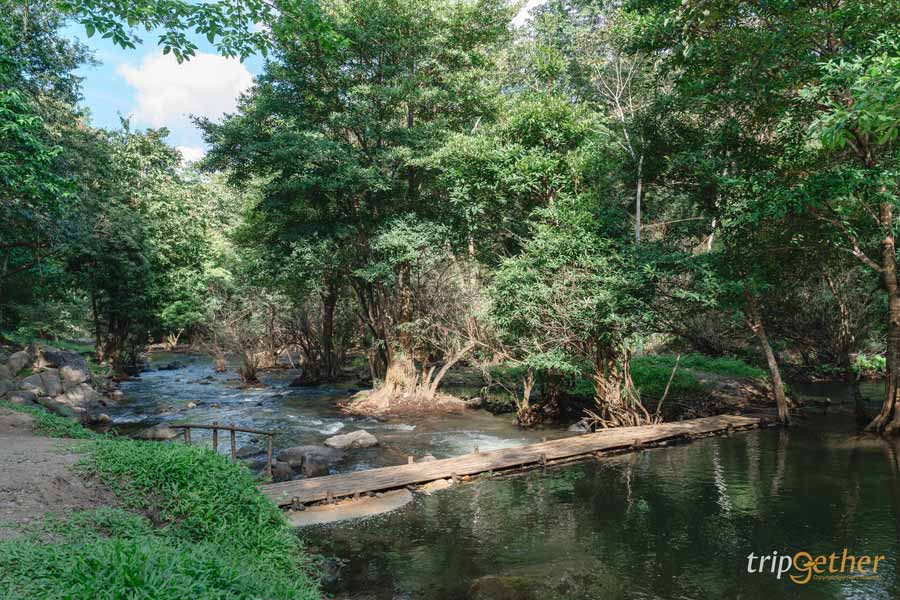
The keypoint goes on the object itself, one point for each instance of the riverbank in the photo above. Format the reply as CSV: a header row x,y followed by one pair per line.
x,y
159,520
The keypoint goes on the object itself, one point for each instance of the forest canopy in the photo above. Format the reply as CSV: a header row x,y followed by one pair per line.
x,y
412,185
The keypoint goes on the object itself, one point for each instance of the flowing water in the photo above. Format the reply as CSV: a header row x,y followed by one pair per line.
x,y
300,415
673,523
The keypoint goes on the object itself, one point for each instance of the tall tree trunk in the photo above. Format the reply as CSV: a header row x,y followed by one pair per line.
x,y
403,284
329,300
888,420
846,338
754,320
638,196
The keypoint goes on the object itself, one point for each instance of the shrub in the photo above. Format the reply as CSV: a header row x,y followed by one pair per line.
x,y
869,365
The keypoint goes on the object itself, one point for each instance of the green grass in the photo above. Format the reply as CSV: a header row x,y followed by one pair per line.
x,y
49,425
650,378
23,340
213,535
728,367
651,373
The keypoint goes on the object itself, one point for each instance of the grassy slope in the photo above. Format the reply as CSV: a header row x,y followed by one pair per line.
x,y
650,374
213,536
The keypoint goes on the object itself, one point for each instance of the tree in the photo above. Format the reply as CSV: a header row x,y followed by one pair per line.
x,y
236,27
339,126
38,210
855,193
571,304
739,71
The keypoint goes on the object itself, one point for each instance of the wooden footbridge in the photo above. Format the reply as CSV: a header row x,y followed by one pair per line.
x,y
558,451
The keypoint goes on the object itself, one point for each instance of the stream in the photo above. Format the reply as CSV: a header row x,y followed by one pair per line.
x,y
668,523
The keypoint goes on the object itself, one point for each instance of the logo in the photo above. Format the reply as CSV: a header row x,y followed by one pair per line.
x,y
804,566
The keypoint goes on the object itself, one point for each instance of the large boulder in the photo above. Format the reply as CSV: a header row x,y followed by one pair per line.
x,y
51,357
281,471
21,397
312,461
5,373
73,368
77,400
18,361
158,433
354,439
6,386
45,383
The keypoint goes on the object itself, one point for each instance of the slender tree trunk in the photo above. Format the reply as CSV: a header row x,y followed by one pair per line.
x,y
846,339
888,420
329,300
754,320
637,200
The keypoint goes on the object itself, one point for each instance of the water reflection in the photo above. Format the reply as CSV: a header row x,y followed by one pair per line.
x,y
668,523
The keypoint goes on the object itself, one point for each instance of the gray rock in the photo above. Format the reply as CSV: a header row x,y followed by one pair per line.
x,y
81,395
74,403
45,383
427,458
21,397
5,373
6,386
312,461
72,376
281,471
159,432
61,406
354,439
296,454
18,361
476,402
37,355
248,451
580,427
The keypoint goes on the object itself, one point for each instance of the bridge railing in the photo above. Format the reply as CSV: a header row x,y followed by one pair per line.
x,y
233,429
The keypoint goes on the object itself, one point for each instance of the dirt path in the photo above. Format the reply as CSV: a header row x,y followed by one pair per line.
x,y
36,477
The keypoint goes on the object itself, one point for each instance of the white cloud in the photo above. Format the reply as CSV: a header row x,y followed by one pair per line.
x,y
191,153
167,92
524,14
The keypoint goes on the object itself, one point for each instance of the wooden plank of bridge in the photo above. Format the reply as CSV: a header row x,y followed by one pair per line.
x,y
348,484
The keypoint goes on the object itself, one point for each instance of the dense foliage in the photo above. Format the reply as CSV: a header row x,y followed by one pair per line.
x,y
415,184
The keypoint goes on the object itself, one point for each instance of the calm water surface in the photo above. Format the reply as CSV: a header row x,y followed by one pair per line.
x,y
671,523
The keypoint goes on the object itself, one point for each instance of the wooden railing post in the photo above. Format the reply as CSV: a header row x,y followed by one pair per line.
x,y
215,437
269,456
233,445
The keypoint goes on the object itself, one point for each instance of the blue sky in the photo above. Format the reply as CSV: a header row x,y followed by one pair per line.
x,y
155,91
